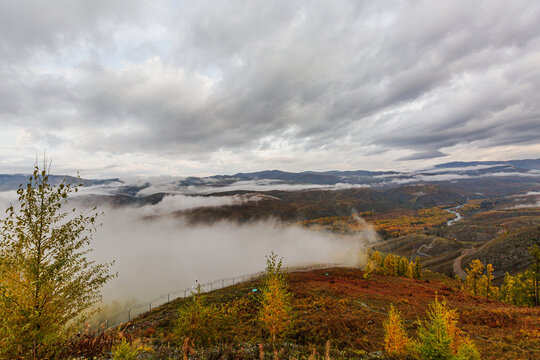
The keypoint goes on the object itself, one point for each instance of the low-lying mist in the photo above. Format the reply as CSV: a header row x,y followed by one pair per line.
x,y
161,255
156,253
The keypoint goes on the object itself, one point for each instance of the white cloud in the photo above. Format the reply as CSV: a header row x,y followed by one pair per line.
x,y
191,88
267,185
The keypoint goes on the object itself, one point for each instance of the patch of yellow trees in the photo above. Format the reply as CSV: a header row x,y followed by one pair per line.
x,y
392,265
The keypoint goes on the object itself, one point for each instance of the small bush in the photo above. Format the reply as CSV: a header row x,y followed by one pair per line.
x,y
125,351
467,351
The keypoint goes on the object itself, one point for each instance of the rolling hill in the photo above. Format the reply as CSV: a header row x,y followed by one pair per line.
x,y
339,306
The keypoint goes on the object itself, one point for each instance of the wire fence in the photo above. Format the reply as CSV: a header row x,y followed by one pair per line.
x,y
135,310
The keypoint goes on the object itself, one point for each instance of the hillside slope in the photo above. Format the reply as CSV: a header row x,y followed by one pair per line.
x,y
509,252
339,305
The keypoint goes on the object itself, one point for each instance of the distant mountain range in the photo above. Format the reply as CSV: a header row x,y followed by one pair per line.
x,y
460,170
520,170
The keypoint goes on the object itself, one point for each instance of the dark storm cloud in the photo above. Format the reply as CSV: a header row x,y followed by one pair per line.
x,y
226,75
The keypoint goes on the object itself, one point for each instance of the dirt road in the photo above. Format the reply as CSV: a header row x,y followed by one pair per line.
x,y
456,266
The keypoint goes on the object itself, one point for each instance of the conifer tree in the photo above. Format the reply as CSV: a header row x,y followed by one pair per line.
x,y
275,314
410,270
368,270
474,273
399,268
376,262
396,342
489,278
417,268
518,289
389,265
435,339
403,263
507,290
440,337
524,288
46,278
381,263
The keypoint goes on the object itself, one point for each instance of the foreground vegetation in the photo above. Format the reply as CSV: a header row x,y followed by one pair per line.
x,y
391,309
47,283
335,311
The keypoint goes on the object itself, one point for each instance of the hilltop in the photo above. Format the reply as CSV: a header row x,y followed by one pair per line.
x,y
337,304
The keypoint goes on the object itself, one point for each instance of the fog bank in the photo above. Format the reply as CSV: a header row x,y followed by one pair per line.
x,y
156,253
161,255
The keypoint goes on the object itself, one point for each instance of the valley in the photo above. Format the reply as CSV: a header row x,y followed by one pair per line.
x,y
183,233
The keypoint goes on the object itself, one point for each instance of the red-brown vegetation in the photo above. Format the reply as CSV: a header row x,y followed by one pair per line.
x,y
341,306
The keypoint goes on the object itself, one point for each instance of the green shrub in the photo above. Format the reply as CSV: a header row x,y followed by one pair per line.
x,y
125,351
199,322
441,339
467,351
435,339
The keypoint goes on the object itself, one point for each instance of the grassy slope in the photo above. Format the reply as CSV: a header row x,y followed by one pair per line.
x,y
338,304
484,226
408,245
509,252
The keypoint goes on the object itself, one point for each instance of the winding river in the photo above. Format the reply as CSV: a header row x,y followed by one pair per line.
x,y
455,212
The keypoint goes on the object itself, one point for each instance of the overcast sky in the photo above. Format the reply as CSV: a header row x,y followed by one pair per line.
x,y
135,87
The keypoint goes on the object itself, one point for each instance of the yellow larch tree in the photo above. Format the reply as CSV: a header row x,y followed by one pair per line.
x,y
474,274
396,342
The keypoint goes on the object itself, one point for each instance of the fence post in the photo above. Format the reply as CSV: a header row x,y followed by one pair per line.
x,y
244,277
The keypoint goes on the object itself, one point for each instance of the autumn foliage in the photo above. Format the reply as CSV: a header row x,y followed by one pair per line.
x,y
440,338
47,281
275,314
389,224
520,289
392,265
396,342
474,274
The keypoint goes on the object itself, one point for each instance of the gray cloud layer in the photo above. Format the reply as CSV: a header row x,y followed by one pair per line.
x,y
250,82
